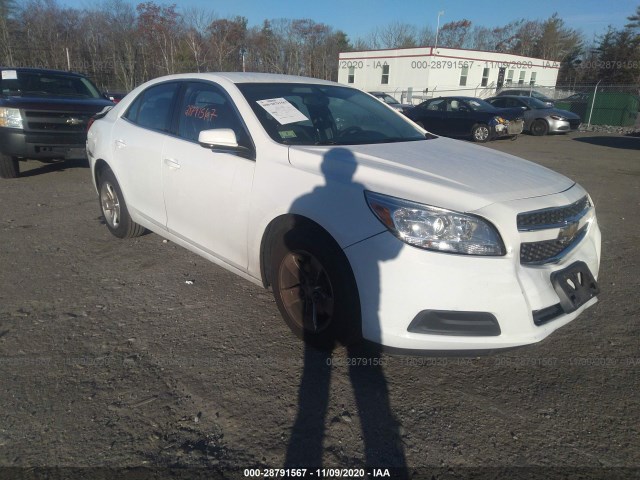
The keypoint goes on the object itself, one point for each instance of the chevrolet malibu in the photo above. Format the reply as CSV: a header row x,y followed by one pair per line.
x,y
363,224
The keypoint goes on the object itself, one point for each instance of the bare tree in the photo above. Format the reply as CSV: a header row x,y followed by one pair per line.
x,y
196,22
454,34
226,38
160,28
7,8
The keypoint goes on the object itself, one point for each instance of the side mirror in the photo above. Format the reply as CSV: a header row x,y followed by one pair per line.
x,y
219,137
223,140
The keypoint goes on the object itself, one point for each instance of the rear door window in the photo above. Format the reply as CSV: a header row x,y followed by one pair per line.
x,y
153,108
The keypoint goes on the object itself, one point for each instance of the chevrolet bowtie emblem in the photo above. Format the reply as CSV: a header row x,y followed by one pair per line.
x,y
74,121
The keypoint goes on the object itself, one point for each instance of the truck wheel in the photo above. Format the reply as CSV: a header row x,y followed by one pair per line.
x,y
480,133
314,288
114,209
9,167
539,128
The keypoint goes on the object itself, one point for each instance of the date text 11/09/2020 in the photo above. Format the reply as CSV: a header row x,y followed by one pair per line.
x,y
317,472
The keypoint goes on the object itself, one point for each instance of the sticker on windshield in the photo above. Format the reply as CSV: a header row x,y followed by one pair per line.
x,y
9,75
283,111
287,134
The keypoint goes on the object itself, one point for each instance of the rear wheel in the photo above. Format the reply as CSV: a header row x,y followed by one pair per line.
x,y
9,166
539,127
480,133
314,287
114,209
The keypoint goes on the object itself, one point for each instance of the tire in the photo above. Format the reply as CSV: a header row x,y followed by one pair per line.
x,y
314,288
539,128
9,166
480,133
114,209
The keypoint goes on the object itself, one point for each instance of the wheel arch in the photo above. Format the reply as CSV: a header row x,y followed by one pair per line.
x,y
100,166
278,227
541,120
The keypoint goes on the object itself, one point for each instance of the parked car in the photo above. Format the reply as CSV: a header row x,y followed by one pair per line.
x,y
527,93
392,102
582,97
539,118
466,117
362,223
44,115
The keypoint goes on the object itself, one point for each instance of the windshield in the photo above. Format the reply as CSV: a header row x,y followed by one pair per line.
x,y
308,114
534,103
480,105
389,99
46,84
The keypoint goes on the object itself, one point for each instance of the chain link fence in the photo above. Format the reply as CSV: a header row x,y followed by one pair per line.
x,y
613,105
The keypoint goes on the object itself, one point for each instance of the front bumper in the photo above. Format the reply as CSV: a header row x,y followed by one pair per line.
x,y
562,126
397,282
42,146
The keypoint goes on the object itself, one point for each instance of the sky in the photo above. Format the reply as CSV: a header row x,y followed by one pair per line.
x,y
359,17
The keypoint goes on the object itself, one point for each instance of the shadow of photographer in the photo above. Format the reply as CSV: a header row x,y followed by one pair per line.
x,y
330,314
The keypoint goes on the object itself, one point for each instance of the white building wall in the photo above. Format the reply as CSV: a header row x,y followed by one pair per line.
x,y
429,73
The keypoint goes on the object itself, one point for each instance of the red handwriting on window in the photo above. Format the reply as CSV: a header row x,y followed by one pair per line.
x,y
203,113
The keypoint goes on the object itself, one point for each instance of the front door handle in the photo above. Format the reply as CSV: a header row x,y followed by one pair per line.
x,y
172,163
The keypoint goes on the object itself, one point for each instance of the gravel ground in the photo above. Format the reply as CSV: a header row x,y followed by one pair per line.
x,y
120,354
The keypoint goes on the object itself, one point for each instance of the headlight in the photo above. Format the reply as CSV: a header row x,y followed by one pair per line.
x,y
557,117
10,118
499,120
435,228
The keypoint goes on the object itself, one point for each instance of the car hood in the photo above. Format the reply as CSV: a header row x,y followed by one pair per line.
x,y
557,111
441,172
90,105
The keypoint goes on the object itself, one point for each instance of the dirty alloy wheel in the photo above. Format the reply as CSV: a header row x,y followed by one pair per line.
x,y
539,128
9,166
114,208
314,288
480,133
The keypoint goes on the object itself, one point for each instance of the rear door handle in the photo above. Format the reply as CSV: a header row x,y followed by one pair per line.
x,y
172,163
120,144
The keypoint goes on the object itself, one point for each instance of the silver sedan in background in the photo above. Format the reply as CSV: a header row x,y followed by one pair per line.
x,y
539,118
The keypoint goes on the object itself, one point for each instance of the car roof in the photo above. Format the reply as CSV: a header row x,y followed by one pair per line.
x,y
42,70
455,98
249,77
517,97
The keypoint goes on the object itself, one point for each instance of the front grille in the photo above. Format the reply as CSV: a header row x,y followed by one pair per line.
x,y
65,122
554,217
535,253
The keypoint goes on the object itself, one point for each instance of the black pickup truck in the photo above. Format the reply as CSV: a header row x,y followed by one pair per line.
x,y
44,115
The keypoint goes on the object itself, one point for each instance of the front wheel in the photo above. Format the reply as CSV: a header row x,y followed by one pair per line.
x,y
114,209
314,288
480,133
9,166
539,128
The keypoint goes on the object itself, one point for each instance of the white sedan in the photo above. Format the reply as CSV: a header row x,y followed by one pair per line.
x,y
363,224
